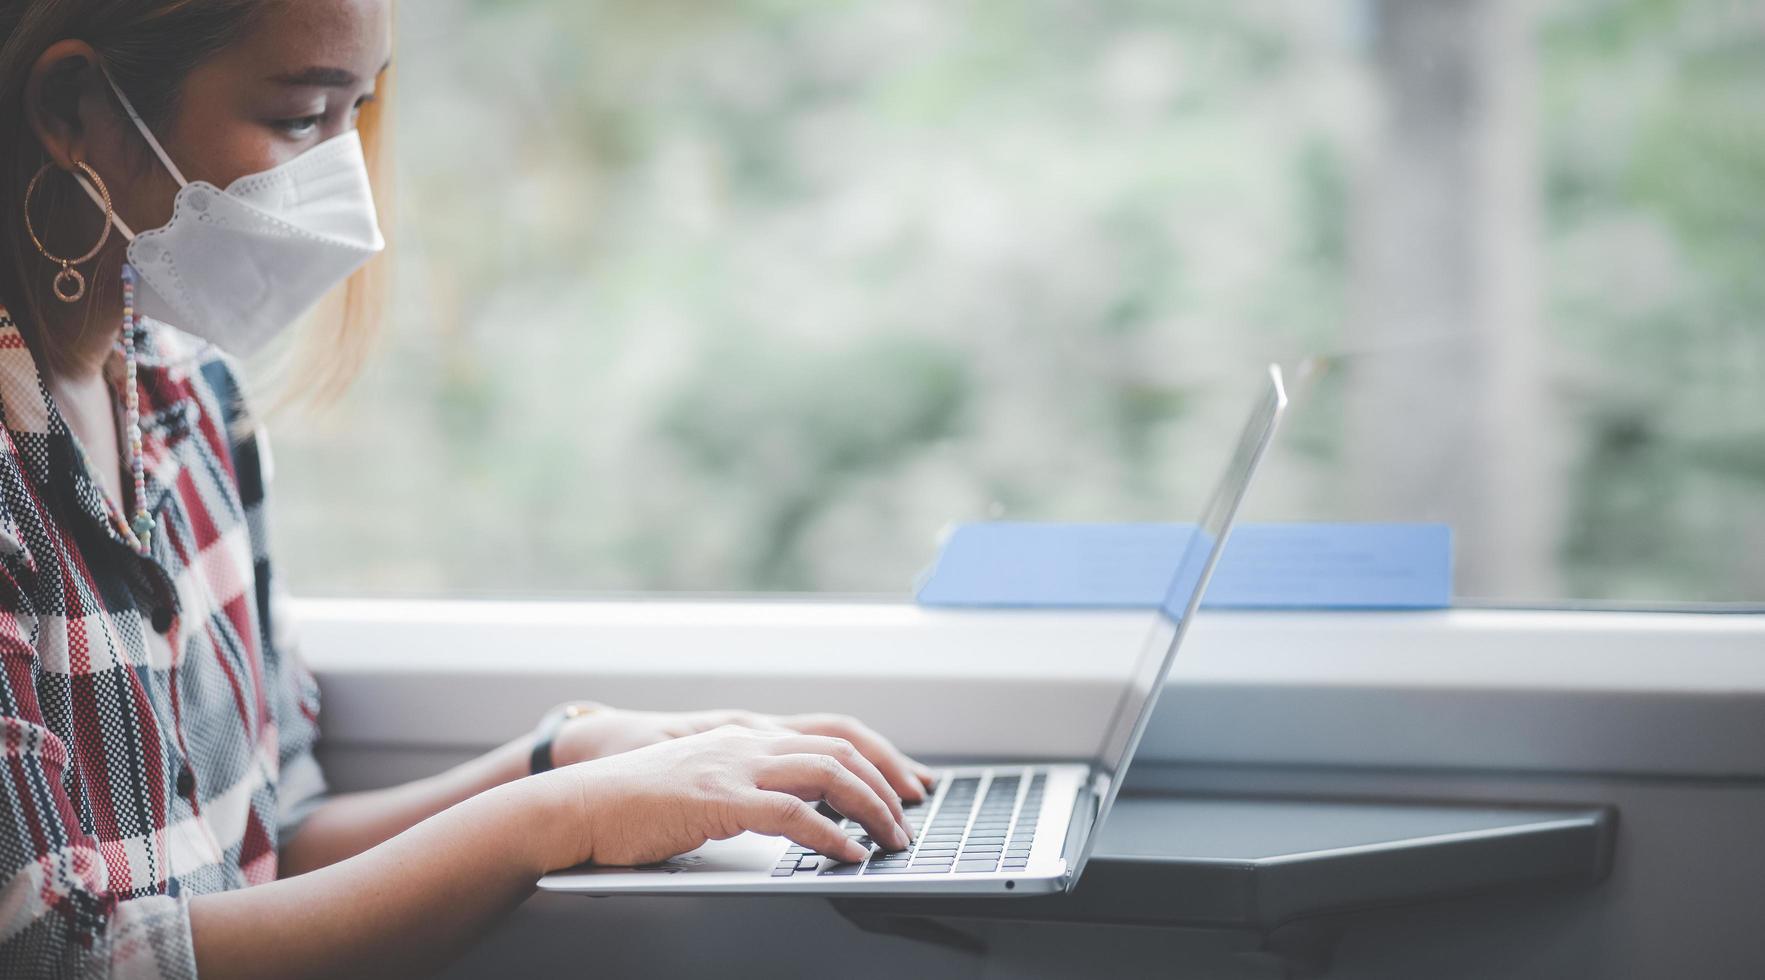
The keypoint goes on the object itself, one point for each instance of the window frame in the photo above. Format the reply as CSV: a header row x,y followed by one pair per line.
x,y
1649,694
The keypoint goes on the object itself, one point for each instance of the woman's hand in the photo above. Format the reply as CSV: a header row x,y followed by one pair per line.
x,y
611,731
668,798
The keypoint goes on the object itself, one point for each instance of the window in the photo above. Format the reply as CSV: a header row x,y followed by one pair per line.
x,y
759,296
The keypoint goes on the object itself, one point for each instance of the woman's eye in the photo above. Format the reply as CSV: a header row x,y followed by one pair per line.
x,y
299,125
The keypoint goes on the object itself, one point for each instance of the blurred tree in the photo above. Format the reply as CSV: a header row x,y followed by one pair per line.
x,y
1447,415
762,293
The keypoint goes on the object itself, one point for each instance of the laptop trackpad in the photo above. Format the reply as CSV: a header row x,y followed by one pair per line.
x,y
743,852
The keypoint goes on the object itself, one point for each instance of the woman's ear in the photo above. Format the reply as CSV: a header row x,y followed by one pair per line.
x,y
64,88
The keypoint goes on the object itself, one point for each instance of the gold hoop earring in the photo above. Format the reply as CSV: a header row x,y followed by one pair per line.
x,y
69,284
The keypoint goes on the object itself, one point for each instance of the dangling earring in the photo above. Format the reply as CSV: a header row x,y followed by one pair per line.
x,y
69,284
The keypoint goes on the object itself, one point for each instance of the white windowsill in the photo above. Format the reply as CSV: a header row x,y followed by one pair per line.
x,y
1661,694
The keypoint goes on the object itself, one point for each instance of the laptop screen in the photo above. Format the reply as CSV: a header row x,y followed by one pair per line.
x,y
1183,596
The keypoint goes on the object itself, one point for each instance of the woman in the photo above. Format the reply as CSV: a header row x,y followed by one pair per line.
x,y
157,729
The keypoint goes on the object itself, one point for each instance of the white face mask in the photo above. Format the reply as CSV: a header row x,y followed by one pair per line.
x,y
236,267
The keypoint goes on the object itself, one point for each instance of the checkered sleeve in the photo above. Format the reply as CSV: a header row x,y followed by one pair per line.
x,y
60,914
302,782
295,694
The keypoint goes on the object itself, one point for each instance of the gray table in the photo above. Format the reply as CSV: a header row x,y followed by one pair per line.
x,y
1284,868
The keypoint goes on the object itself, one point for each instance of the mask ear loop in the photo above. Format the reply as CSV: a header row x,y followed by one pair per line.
x,y
146,134
115,218
165,158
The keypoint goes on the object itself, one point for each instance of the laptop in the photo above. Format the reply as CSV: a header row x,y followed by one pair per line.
x,y
1021,829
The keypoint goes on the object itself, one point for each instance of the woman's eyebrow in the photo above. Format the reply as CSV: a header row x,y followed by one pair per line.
x,y
319,76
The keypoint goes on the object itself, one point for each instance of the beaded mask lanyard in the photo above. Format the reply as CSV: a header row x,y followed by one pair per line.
x,y
69,286
138,531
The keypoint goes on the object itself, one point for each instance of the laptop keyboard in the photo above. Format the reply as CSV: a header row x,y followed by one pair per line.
x,y
978,824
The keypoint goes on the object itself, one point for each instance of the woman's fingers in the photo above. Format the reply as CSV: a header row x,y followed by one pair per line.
x,y
927,777
901,772
906,777
812,776
852,757
784,815
705,721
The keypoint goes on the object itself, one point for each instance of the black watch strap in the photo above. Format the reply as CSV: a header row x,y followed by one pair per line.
x,y
540,760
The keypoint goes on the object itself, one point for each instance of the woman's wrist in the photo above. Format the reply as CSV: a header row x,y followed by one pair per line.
x,y
582,734
546,820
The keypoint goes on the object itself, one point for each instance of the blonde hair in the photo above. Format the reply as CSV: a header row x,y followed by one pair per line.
x,y
338,337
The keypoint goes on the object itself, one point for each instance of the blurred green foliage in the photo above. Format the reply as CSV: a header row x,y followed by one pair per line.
x,y
759,294
1656,168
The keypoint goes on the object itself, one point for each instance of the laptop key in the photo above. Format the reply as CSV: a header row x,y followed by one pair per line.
x,y
842,869
970,867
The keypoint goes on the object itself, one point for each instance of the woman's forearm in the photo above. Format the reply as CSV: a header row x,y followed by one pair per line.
x,y
402,907
408,904
351,823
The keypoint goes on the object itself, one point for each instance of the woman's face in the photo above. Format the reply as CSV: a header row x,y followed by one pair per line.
x,y
296,80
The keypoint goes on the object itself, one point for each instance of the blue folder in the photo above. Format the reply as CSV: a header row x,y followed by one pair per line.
x,y
1015,564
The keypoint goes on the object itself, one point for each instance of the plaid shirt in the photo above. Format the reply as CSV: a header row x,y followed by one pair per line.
x,y
157,741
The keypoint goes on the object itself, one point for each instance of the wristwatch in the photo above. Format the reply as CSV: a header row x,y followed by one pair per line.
x,y
547,732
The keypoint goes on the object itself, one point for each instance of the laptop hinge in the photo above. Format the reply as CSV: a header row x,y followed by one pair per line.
x,y
1082,825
